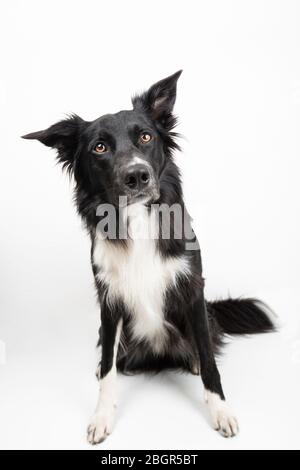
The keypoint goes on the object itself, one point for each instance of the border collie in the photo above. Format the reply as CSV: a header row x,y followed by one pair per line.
x,y
145,256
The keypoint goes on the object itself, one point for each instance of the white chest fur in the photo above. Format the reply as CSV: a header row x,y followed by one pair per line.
x,y
138,275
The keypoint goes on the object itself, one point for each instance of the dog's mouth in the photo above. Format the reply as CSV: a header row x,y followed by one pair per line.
x,y
148,196
145,197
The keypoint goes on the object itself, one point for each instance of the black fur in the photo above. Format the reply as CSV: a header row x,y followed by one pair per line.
x,y
195,327
242,316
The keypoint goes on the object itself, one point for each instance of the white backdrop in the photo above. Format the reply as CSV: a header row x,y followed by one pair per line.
x,y
239,108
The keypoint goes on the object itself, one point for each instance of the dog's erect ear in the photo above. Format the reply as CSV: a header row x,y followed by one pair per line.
x,y
63,136
159,100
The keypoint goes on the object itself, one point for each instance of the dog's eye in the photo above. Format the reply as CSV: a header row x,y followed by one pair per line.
x,y
145,137
100,148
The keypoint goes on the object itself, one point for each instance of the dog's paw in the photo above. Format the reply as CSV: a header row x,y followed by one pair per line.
x,y
225,423
100,427
222,417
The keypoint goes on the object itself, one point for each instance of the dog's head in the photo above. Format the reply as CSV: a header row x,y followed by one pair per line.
x,y
120,154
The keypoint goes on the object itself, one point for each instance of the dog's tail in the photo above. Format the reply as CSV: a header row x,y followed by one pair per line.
x,y
242,316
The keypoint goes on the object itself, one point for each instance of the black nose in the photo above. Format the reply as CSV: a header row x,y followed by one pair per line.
x,y
137,177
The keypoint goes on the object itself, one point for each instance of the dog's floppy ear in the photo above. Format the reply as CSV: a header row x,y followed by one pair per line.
x,y
159,100
63,136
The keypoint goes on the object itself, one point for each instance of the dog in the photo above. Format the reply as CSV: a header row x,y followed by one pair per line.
x,y
154,315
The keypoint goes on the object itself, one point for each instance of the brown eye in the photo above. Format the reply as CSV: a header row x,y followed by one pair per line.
x,y
145,137
100,148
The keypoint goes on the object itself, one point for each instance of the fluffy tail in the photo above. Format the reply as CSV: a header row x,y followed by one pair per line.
x,y
242,316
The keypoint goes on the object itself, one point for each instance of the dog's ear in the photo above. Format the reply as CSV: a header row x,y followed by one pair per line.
x,y
159,100
62,136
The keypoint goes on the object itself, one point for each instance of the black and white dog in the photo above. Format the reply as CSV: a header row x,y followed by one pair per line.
x,y
145,257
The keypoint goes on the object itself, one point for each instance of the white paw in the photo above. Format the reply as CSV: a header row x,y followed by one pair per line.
x,y
223,418
101,426
226,423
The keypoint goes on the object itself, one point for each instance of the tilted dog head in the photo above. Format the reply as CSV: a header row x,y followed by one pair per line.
x,y
120,154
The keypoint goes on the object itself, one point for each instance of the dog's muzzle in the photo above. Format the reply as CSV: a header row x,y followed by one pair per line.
x,y
138,181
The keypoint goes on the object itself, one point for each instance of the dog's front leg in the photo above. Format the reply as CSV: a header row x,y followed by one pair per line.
x,y
222,417
103,419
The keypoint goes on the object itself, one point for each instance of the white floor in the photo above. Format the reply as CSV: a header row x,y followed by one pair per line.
x,y
48,390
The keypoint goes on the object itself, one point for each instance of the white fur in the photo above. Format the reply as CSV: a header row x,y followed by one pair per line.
x,y
222,417
139,275
103,419
137,160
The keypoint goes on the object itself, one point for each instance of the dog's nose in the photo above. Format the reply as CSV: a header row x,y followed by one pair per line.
x,y
137,177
